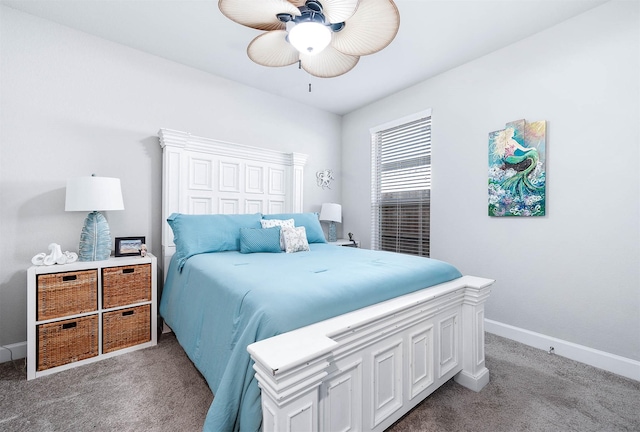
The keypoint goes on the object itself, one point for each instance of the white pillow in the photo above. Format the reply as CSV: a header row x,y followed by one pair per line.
x,y
282,223
295,239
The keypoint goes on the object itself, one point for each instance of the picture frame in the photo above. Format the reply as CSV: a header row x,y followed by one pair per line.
x,y
129,246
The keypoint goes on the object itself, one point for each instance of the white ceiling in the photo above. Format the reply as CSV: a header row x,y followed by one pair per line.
x,y
434,36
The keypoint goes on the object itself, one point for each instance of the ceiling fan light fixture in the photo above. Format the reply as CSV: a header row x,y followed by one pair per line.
x,y
326,38
310,37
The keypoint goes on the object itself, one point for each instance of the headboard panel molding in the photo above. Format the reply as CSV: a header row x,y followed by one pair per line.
x,y
207,176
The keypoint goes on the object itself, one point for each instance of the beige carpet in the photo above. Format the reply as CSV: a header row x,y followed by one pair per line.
x,y
530,390
158,389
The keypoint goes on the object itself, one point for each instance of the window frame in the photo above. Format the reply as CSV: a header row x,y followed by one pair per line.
x,y
405,203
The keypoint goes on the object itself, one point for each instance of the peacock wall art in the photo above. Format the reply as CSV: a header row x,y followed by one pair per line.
x,y
517,174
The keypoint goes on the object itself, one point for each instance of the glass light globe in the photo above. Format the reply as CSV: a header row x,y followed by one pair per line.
x,y
310,37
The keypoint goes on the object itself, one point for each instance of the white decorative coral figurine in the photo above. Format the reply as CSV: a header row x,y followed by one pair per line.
x,y
71,256
38,259
55,257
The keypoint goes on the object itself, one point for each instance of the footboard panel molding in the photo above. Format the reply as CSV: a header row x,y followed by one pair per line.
x,y
364,370
474,374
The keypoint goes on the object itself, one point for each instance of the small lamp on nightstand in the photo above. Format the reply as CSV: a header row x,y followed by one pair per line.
x,y
332,213
94,194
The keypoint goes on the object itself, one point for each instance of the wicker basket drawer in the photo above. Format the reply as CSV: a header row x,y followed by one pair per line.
x,y
67,341
126,327
64,294
122,286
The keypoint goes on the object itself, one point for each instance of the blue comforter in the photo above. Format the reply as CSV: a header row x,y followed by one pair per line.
x,y
222,302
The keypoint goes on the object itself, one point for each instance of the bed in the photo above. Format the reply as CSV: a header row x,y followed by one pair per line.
x,y
352,341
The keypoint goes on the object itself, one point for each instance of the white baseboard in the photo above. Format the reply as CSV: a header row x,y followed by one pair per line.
x,y
18,351
603,360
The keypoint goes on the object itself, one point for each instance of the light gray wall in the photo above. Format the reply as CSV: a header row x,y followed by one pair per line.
x,y
72,104
574,274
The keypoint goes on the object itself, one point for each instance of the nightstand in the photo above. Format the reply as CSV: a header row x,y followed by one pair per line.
x,y
345,242
87,311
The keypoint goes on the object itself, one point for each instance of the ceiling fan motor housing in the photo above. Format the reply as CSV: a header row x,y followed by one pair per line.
x,y
310,12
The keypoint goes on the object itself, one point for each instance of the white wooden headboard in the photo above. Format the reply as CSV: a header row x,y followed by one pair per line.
x,y
207,176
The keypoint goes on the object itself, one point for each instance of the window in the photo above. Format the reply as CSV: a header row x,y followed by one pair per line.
x,y
401,185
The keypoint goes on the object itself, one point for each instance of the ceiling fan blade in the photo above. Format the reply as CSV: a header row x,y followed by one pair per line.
x,y
370,29
337,11
257,14
329,63
272,49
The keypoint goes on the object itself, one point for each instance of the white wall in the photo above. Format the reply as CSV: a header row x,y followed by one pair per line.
x,y
575,273
72,104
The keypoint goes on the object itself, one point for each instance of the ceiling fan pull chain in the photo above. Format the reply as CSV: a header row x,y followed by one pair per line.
x,y
309,87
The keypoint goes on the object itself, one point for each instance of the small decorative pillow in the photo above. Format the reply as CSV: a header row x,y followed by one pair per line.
x,y
260,240
309,221
295,239
270,223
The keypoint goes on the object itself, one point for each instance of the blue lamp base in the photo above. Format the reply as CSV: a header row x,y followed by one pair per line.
x,y
95,239
332,232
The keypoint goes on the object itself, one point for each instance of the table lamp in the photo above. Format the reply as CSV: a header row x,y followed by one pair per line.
x,y
332,213
94,194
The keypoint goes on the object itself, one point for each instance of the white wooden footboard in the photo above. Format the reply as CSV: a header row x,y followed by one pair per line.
x,y
366,369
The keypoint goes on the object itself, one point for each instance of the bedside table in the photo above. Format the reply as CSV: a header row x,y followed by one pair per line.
x,y
345,242
87,311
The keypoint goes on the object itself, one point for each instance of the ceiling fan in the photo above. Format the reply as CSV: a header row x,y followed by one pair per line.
x,y
327,37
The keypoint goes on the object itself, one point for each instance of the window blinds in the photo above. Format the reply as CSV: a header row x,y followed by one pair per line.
x,y
401,187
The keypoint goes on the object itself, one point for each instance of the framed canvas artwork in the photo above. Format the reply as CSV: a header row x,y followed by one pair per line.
x,y
517,172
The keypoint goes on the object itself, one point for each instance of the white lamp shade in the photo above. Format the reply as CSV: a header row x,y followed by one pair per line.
x,y
331,212
310,37
93,194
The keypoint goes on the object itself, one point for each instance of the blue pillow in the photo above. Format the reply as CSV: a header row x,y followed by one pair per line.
x,y
309,221
196,234
260,240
